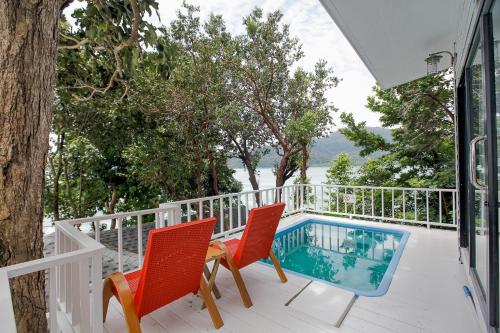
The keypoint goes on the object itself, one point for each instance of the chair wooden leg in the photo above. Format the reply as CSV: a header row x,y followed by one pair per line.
x,y
211,278
277,265
211,281
107,293
209,301
118,281
247,301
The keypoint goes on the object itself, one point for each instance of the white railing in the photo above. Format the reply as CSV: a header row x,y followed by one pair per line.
x,y
77,302
425,206
74,284
231,210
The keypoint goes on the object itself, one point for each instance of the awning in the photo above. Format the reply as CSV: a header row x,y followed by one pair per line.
x,y
394,37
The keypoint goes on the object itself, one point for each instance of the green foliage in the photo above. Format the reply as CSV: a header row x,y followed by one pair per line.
x,y
104,48
421,153
291,104
340,171
145,114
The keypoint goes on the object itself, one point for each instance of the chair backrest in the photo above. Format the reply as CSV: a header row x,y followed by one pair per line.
x,y
173,264
259,233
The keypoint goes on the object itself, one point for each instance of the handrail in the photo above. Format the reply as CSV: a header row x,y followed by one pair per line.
x,y
74,285
111,216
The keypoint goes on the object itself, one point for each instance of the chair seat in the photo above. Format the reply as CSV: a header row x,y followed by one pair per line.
x,y
133,282
232,245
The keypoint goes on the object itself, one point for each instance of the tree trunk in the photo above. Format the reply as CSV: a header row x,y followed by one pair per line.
x,y
281,171
303,166
28,31
213,171
247,160
57,177
246,157
112,205
69,195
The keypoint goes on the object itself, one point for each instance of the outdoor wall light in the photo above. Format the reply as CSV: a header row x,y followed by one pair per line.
x,y
433,60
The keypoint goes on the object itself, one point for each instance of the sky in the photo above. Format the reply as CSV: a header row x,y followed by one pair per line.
x,y
319,35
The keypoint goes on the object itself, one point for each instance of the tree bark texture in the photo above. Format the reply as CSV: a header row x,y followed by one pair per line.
x,y
112,205
213,171
28,50
303,165
281,170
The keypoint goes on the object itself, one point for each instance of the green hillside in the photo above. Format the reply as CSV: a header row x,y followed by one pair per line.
x,y
324,150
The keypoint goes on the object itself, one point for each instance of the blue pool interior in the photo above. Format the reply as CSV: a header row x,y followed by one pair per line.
x,y
357,258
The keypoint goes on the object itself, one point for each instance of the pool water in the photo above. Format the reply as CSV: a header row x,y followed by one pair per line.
x,y
357,258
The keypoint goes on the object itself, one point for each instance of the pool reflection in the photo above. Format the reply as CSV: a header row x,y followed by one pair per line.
x,y
352,257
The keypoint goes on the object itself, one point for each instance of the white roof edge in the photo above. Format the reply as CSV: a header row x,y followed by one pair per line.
x,y
339,21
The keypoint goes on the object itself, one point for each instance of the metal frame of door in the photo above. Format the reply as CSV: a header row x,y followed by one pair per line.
x,y
490,302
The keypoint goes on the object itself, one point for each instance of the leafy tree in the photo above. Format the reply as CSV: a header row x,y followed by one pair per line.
x,y
183,154
262,81
244,137
421,153
340,171
421,116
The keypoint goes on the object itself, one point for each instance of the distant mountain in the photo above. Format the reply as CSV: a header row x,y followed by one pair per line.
x,y
324,150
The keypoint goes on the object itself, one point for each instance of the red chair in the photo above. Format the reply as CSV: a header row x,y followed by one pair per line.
x,y
173,268
256,242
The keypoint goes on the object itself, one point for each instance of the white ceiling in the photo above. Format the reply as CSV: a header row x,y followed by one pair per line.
x,y
393,37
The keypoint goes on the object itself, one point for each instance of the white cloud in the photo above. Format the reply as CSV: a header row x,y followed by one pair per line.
x,y
319,35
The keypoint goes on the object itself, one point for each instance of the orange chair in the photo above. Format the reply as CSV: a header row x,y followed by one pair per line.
x,y
256,242
173,268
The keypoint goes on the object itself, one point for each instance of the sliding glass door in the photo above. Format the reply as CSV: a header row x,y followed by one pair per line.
x,y
478,171
495,19
482,123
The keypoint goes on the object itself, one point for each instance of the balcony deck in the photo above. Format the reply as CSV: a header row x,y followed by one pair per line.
x,y
425,295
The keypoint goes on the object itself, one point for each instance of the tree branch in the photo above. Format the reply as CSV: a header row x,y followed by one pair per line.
x,y
450,114
115,77
77,42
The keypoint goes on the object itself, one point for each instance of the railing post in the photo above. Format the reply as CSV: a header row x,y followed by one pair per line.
x,y
427,208
120,244
247,202
453,198
373,203
440,208
415,203
139,240
52,299
404,205
392,202
96,275
315,198
302,198
238,197
221,212
97,231
345,203
383,202
7,316
230,209
162,219
157,220
174,213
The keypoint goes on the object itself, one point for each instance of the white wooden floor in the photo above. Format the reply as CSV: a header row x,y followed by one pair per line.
x,y
426,295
